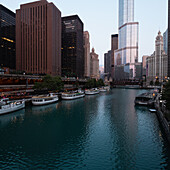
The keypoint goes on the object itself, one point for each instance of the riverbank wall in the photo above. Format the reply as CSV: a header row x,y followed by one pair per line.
x,y
163,121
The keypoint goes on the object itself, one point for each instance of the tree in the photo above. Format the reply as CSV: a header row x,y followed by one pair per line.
x,y
100,83
50,83
92,83
166,94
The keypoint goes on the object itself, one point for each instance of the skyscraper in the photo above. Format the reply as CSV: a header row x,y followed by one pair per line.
x,y
127,52
72,46
165,38
86,54
114,46
94,65
38,38
7,38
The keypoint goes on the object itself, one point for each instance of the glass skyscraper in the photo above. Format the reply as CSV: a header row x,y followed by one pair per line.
x,y
127,53
7,38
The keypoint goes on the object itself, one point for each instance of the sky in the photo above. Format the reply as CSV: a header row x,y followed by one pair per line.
x,y
100,18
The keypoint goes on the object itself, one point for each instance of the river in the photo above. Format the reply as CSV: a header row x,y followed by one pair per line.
x,y
105,131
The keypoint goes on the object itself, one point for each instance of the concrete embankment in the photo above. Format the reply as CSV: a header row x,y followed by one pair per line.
x,y
163,121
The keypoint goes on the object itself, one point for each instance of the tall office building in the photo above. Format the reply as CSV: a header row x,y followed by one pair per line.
x,y
108,63
127,52
72,46
86,54
38,38
144,64
94,65
114,46
7,38
168,38
165,39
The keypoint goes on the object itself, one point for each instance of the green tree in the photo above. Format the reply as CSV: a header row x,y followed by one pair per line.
x,y
50,83
166,94
100,83
91,83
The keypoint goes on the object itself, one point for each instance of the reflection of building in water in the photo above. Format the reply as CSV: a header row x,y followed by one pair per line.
x,y
43,109
12,118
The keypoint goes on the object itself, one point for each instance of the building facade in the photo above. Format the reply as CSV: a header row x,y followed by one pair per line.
x,y
38,38
94,65
86,54
72,46
114,46
165,39
108,63
144,65
127,52
157,63
7,38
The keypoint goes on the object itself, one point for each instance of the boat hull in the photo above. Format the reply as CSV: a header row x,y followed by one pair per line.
x,y
44,102
92,92
12,109
73,97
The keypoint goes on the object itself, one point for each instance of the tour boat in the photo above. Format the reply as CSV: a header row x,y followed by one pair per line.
x,y
92,91
44,99
103,89
72,95
11,106
145,99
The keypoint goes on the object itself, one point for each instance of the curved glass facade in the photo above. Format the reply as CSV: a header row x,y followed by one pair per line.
x,y
127,53
126,11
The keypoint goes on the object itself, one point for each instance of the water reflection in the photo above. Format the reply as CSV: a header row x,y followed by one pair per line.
x,y
12,118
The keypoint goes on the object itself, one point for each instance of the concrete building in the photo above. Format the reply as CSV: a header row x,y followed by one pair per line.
x,y
165,39
108,63
94,66
114,46
157,63
7,38
86,54
138,70
72,46
38,38
144,65
127,52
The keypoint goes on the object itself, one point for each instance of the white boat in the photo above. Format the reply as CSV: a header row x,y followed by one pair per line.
x,y
92,91
11,106
103,89
72,95
44,99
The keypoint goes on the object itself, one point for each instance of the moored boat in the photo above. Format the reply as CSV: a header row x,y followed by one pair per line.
x,y
103,89
72,95
145,99
44,99
92,91
11,106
